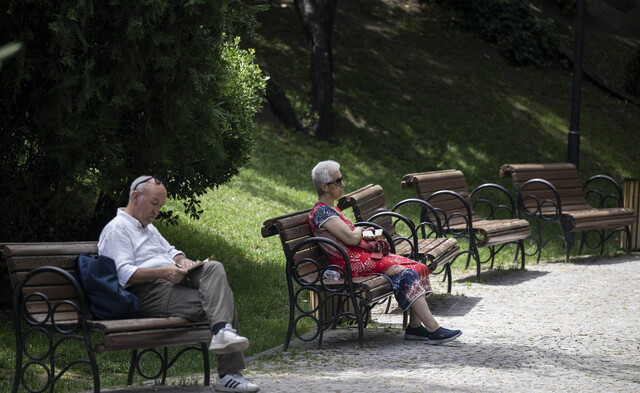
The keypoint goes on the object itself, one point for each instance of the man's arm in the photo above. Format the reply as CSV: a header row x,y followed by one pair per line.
x,y
172,273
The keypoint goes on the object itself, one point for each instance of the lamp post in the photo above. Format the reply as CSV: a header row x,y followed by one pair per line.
x,y
573,150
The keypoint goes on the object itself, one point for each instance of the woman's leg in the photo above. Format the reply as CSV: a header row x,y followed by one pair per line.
x,y
420,314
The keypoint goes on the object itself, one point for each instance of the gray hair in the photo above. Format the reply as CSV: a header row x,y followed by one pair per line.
x,y
139,183
321,174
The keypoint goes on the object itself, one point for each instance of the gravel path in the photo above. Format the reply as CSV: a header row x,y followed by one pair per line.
x,y
554,327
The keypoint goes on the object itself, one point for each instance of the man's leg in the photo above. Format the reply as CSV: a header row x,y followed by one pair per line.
x,y
162,298
216,299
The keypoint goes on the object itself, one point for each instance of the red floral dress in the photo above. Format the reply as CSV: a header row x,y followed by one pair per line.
x,y
410,279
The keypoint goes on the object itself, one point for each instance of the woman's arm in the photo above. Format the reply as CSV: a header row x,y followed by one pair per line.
x,y
342,231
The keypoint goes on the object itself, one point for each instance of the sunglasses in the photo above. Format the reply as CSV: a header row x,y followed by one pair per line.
x,y
158,181
337,182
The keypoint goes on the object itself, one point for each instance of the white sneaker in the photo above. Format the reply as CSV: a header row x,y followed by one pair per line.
x,y
228,341
235,383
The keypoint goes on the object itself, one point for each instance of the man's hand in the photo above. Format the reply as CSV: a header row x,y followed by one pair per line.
x,y
175,273
185,263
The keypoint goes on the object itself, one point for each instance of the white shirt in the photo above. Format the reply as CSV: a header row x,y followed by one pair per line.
x,y
133,246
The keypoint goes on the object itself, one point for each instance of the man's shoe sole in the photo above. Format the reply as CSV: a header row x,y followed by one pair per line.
x,y
238,346
222,388
430,341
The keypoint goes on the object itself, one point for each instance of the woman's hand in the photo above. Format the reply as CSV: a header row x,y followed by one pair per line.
x,y
369,237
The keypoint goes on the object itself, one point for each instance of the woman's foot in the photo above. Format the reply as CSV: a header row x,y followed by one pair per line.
x,y
439,336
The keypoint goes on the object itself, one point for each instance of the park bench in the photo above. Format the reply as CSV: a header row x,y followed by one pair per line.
x,y
49,299
330,301
552,194
448,193
369,203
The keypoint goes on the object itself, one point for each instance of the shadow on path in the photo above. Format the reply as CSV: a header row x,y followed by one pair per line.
x,y
503,277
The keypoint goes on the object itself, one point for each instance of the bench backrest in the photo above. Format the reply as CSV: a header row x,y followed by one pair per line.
x,y
427,183
564,177
367,202
293,229
22,258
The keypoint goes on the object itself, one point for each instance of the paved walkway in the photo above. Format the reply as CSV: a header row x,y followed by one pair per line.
x,y
554,327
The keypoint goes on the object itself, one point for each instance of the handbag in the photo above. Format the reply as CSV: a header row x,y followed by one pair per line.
x,y
378,247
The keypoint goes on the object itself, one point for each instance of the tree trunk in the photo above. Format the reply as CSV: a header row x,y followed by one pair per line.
x,y
281,106
317,17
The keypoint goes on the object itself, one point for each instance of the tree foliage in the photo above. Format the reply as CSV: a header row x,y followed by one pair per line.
x,y
523,38
104,91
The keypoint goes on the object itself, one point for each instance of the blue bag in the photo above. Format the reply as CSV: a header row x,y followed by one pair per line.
x,y
99,279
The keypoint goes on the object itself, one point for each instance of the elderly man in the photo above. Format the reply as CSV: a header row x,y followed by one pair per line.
x,y
153,270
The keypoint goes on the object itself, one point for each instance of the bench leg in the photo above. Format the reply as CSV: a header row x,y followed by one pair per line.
x,y
207,364
133,362
492,251
447,273
476,256
569,239
386,311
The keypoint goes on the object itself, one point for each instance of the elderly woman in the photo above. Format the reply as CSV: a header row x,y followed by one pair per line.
x,y
409,278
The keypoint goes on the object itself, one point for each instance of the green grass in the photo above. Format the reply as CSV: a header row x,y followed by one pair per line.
x,y
411,94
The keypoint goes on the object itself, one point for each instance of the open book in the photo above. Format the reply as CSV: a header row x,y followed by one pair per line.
x,y
199,263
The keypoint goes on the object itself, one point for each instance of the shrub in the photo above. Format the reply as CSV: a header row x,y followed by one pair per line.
x,y
103,92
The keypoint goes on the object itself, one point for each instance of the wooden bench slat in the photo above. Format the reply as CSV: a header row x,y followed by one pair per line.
x,y
59,292
434,176
270,226
121,325
370,205
42,279
153,338
491,226
295,232
43,249
26,263
361,196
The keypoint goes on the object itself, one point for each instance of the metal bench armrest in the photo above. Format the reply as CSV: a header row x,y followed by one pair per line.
x,y
601,196
529,205
480,201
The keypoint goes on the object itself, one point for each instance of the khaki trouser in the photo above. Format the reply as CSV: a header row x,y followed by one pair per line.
x,y
206,295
